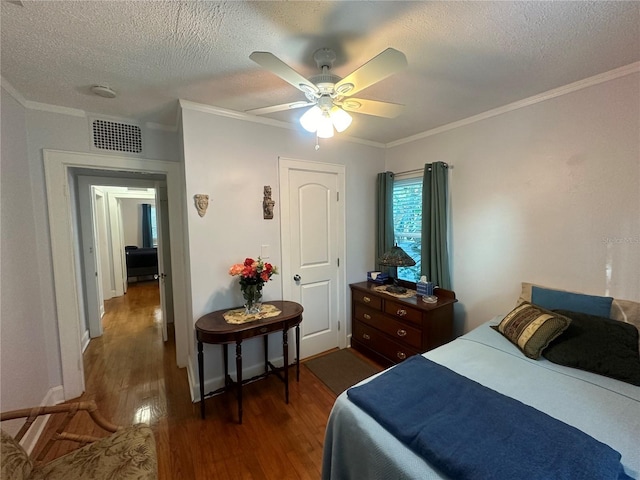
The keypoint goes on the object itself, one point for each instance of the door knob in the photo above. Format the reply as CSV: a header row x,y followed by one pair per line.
x,y
297,277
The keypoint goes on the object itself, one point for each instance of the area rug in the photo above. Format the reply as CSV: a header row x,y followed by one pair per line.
x,y
340,370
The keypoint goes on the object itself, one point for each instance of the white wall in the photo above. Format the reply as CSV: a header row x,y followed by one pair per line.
x,y
25,379
132,219
548,193
231,160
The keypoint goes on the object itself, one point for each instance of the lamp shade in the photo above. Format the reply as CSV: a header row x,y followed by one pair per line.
x,y
325,126
309,120
341,119
396,257
322,118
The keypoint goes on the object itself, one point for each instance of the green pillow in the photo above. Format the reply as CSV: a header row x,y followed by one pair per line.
x,y
531,328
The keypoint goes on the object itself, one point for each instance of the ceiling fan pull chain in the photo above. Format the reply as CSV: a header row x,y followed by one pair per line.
x,y
317,142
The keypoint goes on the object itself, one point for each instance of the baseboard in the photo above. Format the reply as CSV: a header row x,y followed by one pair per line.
x,y
53,397
211,384
85,340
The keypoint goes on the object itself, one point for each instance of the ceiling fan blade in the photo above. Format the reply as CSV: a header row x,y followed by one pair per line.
x,y
275,65
279,108
372,107
378,68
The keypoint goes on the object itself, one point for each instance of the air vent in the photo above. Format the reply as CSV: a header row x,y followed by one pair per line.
x,y
117,137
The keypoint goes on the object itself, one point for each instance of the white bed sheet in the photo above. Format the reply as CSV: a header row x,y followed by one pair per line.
x,y
357,447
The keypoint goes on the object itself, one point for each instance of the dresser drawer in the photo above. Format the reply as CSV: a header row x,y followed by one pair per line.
x,y
403,311
402,332
366,314
366,298
380,343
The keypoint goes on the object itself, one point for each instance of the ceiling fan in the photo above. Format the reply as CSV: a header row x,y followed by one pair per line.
x,y
329,95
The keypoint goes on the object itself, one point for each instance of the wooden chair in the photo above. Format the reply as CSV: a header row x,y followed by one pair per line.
x,y
129,452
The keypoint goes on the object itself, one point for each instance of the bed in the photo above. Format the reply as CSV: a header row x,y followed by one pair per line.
x,y
606,409
141,262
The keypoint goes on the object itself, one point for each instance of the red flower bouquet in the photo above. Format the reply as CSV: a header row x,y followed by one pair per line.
x,y
253,275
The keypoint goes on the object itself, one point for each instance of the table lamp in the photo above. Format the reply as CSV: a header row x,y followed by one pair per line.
x,y
396,257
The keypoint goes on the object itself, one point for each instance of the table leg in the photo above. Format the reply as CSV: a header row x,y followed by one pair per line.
x,y
225,360
266,354
201,378
239,377
298,353
285,351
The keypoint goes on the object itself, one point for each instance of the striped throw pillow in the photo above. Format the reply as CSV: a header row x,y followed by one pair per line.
x,y
531,328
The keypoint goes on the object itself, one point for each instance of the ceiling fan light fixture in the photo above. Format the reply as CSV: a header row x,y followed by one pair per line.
x,y
325,126
331,93
310,119
341,119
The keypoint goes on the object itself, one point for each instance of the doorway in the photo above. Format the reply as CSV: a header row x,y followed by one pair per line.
x,y
60,171
111,239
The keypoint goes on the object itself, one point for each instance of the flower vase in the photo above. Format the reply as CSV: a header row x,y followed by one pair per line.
x,y
252,295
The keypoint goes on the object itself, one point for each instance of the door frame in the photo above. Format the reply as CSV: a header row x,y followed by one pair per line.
x,y
284,166
101,232
117,237
66,271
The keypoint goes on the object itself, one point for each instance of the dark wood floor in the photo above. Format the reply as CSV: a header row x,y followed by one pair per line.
x,y
133,378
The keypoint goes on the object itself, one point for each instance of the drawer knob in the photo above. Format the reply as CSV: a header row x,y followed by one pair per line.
x,y
401,333
402,355
263,330
366,299
367,316
366,336
401,312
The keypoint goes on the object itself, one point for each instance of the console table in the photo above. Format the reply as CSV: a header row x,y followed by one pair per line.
x,y
212,328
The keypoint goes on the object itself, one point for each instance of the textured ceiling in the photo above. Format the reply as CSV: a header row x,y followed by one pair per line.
x,y
464,57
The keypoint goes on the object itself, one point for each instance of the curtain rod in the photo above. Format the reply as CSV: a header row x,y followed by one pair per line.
x,y
418,170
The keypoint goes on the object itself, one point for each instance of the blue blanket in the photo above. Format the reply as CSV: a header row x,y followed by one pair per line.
x,y
468,431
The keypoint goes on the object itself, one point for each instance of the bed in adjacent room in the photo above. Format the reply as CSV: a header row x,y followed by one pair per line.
x,y
538,415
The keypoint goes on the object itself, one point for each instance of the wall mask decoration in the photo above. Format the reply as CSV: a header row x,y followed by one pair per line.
x,y
202,203
267,203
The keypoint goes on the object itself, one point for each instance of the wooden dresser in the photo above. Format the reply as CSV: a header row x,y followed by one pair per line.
x,y
390,329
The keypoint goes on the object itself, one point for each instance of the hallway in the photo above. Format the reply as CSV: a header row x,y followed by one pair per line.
x,y
130,363
132,377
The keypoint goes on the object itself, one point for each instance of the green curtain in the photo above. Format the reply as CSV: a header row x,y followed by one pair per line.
x,y
435,255
384,220
147,232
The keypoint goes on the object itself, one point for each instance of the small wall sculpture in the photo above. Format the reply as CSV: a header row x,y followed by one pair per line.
x,y
202,203
267,203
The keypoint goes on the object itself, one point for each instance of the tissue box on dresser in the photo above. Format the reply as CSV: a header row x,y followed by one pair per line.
x,y
424,288
377,277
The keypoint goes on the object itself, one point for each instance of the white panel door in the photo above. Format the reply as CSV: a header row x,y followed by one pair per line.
x,y
92,287
161,217
313,227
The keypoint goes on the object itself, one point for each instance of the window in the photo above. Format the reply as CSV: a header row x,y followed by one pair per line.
x,y
407,223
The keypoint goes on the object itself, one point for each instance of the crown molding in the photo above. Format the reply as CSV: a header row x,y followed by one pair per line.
x,y
162,127
11,90
46,107
556,92
223,112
